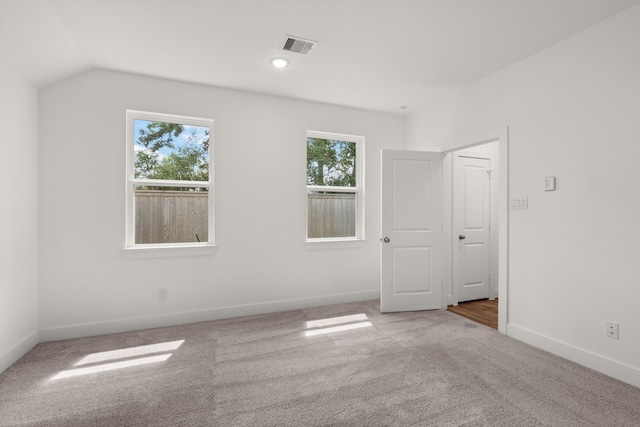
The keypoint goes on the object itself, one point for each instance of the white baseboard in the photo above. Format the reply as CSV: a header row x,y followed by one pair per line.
x,y
194,316
597,362
19,349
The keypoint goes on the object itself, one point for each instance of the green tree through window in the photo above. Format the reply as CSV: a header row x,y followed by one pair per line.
x,y
171,151
331,162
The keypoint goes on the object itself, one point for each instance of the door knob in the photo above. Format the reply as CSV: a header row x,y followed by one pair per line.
x,y
386,240
462,237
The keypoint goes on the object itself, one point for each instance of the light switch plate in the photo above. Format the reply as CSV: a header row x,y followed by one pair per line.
x,y
550,183
519,203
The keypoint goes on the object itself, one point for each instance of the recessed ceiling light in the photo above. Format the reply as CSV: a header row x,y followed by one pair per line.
x,y
280,62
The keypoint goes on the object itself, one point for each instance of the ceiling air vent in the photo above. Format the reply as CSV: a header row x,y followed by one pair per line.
x,y
297,44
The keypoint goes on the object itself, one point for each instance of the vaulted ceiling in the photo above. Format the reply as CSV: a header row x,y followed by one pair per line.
x,y
373,54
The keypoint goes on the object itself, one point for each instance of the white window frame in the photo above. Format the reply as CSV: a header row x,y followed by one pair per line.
x,y
358,189
166,249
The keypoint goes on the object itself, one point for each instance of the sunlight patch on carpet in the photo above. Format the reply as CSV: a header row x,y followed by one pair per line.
x,y
336,324
135,356
111,366
130,352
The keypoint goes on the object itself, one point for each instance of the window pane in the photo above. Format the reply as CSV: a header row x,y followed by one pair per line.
x,y
331,162
170,216
170,151
331,214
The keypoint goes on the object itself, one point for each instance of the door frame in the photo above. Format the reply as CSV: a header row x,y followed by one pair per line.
x,y
501,135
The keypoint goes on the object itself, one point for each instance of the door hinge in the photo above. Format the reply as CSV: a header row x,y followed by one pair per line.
x,y
489,277
489,173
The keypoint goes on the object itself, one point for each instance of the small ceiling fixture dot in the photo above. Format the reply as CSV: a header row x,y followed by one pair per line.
x,y
279,62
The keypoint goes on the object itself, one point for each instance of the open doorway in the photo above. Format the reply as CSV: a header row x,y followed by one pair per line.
x,y
475,226
474,243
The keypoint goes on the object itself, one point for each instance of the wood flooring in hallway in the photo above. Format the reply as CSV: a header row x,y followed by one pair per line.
x,y
482,311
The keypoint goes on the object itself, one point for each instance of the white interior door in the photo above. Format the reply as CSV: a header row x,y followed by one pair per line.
x,y
411,225
471,225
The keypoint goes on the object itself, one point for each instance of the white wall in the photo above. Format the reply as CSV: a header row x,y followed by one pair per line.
x,y
262,264
573,112
429,126
18,217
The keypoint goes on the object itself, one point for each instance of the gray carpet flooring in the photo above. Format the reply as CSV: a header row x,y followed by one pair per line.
x,y
408,369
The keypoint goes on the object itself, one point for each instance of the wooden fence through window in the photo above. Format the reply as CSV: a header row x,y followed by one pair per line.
x,y
183,216
331,215
171,216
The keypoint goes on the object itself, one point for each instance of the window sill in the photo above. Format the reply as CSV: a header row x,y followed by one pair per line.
x,y
168,251
335,243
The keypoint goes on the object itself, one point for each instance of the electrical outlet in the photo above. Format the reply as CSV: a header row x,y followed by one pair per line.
x,y
612,330
162,294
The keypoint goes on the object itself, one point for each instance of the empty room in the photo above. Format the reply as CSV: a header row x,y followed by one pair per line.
x,y
268,213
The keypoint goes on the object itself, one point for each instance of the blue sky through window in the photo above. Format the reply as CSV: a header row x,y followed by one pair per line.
x,y
196,134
